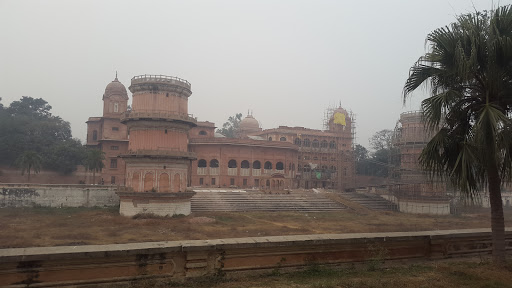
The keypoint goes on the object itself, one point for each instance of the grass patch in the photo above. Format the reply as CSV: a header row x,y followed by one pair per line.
x,y
98,225
432,274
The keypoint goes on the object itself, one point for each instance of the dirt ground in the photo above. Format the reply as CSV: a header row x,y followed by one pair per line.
x,y
27,227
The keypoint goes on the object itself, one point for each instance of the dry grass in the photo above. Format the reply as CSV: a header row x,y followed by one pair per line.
x,y
443,274
25,227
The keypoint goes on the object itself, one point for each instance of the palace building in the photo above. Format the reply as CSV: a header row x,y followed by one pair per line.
x,y
158,152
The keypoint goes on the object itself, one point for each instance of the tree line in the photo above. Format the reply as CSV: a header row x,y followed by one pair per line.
x,y
32,138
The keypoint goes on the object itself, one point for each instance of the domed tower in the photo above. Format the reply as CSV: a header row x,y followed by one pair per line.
x,y
248,125
157,162
109,135
115,99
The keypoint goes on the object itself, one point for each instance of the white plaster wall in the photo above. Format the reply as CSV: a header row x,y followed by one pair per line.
x,y
127,208
58,196
416,207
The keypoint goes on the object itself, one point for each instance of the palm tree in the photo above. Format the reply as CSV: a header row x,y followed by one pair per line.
x,y
29,161
94,162
468,69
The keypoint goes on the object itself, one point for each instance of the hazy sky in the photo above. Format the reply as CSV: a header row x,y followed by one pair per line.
x,y
286,60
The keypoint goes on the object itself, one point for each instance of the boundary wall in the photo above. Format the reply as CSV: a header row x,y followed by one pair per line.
x,y
48,195
99,264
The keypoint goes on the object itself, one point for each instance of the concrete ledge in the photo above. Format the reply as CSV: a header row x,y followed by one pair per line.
x,y
76,265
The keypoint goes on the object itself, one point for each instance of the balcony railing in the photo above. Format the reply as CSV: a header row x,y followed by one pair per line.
x,y
202,171
157,114
256,172
232,171
162,152
160,78
245,172
214,171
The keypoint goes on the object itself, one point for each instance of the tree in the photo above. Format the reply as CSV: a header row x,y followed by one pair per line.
x,y
29,161
94,162
361,154
468,69
231,127
29,106
28,125
65,156
381,140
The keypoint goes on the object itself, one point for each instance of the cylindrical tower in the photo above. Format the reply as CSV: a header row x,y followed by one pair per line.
x,y
157,162
411,136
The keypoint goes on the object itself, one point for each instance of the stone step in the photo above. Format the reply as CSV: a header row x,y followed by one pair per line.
x,y
255,201
370,201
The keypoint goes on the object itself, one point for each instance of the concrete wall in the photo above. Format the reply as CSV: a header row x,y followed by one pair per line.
x,y
23,195
130,207
96,264
424,207
13,175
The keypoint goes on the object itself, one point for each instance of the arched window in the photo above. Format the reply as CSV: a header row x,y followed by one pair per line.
x,y
307,168
116,107
306,143
332,145
279,166
315,144
214,163
297,141
245,164
269,138
268,165
94,135
256,165
201,163
293,167
290,166
324,144
202,132
282,139
232,163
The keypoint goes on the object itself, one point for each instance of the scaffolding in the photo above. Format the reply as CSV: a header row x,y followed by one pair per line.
x,y
345,159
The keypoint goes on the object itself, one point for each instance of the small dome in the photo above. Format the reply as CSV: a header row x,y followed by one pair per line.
x,y
249,124
115,88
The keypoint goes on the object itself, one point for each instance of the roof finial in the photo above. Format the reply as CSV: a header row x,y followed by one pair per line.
x,y
116,75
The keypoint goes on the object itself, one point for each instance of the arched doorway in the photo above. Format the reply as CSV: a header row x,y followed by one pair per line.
x,y
177,183
163,183
136,181
148,182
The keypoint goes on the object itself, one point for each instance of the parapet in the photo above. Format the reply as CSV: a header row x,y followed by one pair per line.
x,y
155,83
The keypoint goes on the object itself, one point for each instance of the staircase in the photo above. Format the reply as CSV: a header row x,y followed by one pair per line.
x,y
370,201
241,201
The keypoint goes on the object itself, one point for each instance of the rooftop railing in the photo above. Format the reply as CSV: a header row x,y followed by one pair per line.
x,y
158,114
159,78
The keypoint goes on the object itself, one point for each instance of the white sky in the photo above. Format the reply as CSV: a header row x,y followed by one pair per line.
x,y
286,60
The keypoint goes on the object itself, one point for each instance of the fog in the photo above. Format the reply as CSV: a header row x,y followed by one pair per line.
x,y
287,61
